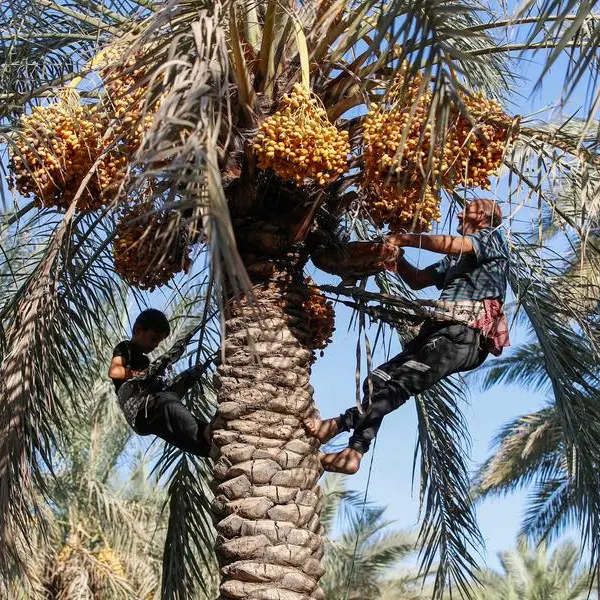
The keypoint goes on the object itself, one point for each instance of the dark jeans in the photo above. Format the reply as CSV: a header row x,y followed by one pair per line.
x,y
164,415
439,350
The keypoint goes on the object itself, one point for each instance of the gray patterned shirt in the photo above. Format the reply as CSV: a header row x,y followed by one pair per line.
x,y
476,276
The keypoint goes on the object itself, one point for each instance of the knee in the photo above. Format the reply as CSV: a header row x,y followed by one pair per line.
x,y
375,382
167,402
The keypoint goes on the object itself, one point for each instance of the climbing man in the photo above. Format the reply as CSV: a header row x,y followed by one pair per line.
x,y
460,329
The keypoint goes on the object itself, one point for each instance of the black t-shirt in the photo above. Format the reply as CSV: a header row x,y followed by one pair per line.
x,y
135,359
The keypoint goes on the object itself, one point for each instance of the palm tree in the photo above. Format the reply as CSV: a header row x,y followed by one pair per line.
x,y
531,452
534,575
208,76
361,560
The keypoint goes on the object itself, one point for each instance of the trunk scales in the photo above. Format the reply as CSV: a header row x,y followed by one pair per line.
x,y
267,505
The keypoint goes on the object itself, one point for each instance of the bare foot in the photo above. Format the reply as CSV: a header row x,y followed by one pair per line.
x,y
347,461
323,430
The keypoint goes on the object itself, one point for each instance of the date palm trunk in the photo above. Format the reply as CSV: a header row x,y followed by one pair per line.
x,y
267,503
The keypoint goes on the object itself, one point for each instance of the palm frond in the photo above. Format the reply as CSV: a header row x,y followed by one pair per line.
x,y
569,28
524,366
50,324
527,448
187,560
548,159
567,341
552,509
449,531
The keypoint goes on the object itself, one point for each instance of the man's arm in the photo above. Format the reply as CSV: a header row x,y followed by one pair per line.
x,y
119,372
417,279
443,244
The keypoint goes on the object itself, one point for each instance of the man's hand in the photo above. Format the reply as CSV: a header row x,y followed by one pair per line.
x,y
399,239
390,254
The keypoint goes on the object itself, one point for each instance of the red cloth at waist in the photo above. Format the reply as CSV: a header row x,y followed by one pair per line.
x,y
493,326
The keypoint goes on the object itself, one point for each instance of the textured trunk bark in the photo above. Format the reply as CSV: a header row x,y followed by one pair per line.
x,y
267,503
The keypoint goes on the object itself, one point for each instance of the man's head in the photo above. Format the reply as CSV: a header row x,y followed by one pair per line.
x,y
479,214
150,329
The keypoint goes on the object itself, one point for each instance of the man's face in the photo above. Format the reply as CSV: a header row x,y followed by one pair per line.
x,y
148,339
471,218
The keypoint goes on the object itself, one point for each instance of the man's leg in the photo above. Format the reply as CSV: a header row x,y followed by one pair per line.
x,y
447,350
166,417
185,381
375,388
326,429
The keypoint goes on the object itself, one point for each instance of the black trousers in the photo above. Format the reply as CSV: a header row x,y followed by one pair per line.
x,y
439,350
163,414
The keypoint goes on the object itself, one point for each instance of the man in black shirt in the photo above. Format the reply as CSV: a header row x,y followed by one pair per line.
x,y
155,408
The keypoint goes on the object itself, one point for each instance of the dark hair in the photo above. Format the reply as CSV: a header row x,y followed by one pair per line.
x,y
153,319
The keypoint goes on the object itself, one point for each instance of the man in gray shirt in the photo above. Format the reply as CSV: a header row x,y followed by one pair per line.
x,y
464,325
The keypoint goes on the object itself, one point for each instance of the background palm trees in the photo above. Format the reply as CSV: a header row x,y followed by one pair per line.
x,y
537,574
362,552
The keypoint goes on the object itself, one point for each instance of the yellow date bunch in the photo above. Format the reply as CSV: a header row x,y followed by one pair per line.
x,y
412,207
107,557
57,148
150,246
478,147
66,142
399,146
395,141
321,316
299,142
125,101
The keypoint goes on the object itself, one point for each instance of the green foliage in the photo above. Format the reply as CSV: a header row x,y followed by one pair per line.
x,y
362,552
535,574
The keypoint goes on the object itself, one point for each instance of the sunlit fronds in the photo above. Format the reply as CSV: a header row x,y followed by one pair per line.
x,y
337,501
571,28
45,44
558,163
530,572
449,533
528,448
